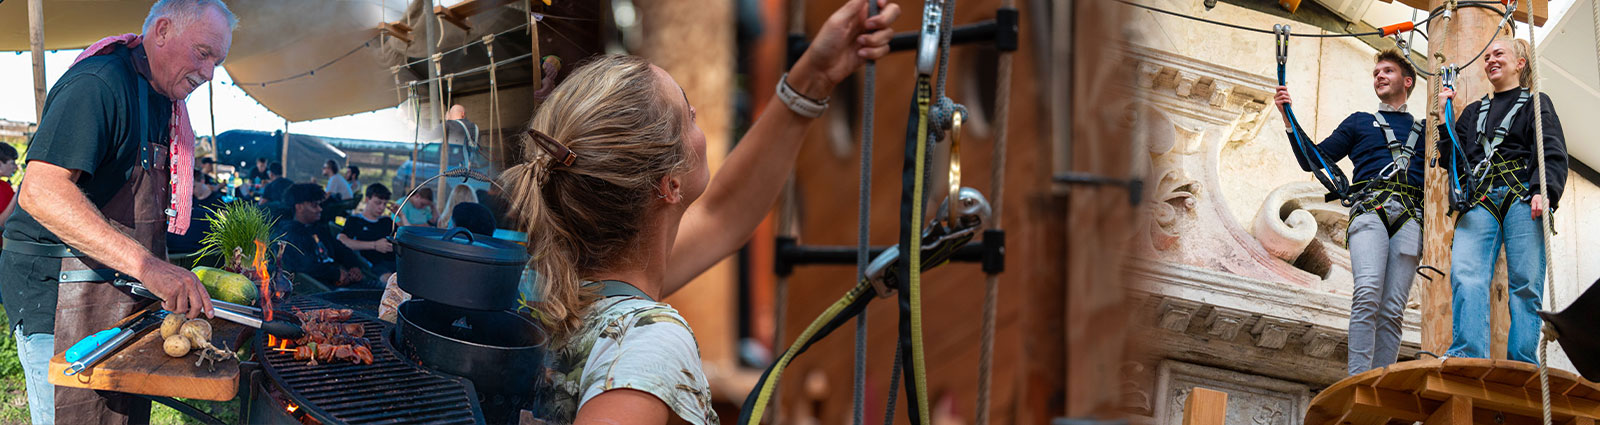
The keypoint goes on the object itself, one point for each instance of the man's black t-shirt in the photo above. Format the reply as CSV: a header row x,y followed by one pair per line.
x,y
359,228
273,191
90,124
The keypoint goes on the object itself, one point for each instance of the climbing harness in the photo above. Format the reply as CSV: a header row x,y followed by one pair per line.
x,y
1494,170
1393,182
1327,173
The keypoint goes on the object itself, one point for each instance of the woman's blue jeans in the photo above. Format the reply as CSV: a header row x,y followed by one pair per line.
x,y
1478,238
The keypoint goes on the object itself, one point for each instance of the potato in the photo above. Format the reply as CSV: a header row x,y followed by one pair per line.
x,y
198,331
176,346
171,324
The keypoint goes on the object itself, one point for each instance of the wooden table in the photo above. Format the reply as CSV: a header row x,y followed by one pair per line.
x,y
1455,391
142,367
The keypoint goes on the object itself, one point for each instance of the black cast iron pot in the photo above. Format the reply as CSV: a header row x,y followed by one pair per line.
x,y
458,268
501,352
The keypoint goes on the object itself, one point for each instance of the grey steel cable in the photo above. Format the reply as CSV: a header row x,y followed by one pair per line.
x,y
863,231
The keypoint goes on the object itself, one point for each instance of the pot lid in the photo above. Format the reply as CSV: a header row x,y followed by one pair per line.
x,y
461,244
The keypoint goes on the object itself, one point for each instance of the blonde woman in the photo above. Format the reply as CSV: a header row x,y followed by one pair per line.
x,y
620,211
1506,207
459,194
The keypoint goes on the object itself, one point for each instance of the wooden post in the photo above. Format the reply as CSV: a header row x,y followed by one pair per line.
x,y
1455,410
1467,32
1205,407
706,75
533,32
36,47
1098,219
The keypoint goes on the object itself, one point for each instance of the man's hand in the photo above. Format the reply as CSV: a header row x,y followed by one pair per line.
x,y
179,289
1445,94
1538,205
350,276
1282,98
846,41
383,246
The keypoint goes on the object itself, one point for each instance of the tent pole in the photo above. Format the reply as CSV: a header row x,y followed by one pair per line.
x,y
435,97
36,46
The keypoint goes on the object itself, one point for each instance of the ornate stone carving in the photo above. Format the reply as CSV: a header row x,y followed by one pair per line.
x,y
1220,90
1136,387
1320,343
1252,399
1201,108
1272,332
1186,83
1225,323
1296,215
1176,314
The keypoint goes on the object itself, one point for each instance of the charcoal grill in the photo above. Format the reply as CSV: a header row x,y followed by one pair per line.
x,y
391,390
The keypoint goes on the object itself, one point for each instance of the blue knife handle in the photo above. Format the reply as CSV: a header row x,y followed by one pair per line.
x,y
89,343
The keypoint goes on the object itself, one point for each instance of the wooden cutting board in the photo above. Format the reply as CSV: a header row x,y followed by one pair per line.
x,y
142,367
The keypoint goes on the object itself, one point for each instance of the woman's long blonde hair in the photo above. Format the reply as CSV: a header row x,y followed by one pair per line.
x,y
586,217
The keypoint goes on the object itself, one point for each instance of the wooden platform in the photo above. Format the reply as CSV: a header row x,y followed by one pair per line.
x,y
1455,391
142,367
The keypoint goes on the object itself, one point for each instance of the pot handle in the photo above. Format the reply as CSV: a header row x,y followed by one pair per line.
x,y
458,231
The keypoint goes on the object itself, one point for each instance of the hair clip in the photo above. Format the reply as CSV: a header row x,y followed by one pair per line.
x,y
554,148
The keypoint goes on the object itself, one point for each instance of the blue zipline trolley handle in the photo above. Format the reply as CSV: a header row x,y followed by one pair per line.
x,y
1460,201
1326,172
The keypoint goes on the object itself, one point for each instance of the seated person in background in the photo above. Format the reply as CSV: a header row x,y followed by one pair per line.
x,y
208,168
277,184
259,174
460,194
313,250
338,187
205,200
352,174
493,199
367,232
475,217
419,210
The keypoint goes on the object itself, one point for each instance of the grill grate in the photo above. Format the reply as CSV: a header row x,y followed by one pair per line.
x,y
390,390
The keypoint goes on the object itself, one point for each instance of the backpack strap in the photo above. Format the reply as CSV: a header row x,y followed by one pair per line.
x,y
617,288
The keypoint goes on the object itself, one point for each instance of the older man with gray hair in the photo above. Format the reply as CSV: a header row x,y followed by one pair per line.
x,y
109,173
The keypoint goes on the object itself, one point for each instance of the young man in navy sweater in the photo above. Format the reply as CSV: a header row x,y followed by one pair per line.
x,y
1385,234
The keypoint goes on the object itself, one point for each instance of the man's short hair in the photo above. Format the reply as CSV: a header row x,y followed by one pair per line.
x,y
378,190
275,168
355,172
1398,58
425,193
261,160
7,152
184,12
304,192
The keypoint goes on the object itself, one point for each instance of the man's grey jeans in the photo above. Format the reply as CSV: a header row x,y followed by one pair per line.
x,y
1383,267
35,352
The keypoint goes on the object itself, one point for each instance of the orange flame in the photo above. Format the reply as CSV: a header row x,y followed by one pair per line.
x,y
260,263
291,408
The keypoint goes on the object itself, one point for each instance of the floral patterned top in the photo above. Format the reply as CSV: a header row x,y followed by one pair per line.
x,y
633,343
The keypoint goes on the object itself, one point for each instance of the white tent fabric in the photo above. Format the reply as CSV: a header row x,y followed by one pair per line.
x,y
1572,79
275,40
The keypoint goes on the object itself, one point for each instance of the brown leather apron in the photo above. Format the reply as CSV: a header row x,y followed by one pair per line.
x,y
84,307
